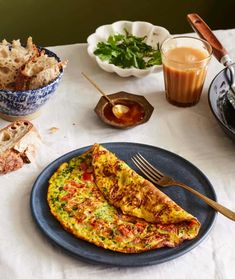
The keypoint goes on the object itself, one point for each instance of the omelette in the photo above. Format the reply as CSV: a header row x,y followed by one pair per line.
x,y
100,199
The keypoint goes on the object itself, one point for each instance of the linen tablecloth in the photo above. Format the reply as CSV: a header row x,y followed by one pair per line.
x,y
192,133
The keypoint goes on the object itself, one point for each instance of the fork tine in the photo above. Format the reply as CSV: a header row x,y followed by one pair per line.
x,y
144,171
150,167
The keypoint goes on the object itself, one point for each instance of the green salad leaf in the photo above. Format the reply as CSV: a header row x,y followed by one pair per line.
x,y
128,51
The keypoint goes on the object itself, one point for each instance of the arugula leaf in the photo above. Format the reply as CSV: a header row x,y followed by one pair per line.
x,y
128,51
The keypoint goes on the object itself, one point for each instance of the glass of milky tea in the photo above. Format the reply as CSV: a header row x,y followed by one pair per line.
x,y
185,60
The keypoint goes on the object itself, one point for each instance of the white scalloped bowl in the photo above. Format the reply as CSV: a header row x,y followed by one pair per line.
x,y
154,35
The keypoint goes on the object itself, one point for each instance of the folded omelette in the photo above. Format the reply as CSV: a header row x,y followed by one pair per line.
x,y
99,198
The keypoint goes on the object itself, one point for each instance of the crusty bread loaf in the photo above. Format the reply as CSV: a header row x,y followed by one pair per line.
x,y
18,144
12,57
46,75
24,68
41,70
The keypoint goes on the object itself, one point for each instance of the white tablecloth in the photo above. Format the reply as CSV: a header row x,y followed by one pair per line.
x,y
193,133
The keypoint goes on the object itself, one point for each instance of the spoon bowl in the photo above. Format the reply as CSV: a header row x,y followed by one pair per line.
x,y
119,110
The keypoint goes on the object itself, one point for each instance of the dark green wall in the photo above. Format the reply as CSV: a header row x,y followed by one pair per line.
x,y
71,21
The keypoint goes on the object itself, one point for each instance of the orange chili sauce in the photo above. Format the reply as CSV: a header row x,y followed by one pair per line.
x,y
135,114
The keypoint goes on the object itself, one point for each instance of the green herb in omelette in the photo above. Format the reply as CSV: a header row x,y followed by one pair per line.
x,y
128,51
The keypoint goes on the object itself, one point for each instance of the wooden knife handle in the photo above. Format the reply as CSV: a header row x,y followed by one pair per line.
x,y
205,33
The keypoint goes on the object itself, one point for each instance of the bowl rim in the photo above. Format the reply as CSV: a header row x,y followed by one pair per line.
x,y
132,71
126,21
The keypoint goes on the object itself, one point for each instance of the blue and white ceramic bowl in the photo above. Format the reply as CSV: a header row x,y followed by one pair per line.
x,y
27,104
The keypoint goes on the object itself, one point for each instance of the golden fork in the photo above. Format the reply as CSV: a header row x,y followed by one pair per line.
x,y
163,180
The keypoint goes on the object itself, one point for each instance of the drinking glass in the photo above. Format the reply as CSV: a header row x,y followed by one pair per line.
x,y
185,61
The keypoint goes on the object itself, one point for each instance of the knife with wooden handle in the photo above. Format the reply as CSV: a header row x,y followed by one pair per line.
x,y
204,31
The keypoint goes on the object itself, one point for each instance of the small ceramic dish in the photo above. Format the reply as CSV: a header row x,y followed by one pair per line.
x,y
155,35
140,110
26,104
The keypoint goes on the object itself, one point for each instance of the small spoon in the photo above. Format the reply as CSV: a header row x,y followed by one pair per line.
x,y
117,109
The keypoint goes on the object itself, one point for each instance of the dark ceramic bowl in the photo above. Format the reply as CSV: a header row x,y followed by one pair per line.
x,y
27,104
142,106
219,104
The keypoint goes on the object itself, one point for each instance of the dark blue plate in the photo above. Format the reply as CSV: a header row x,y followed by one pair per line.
x,y
166,161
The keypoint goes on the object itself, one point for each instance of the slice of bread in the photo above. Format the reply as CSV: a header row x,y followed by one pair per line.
x,y
12,57
24,68
37,64
18,145
39,71
46,75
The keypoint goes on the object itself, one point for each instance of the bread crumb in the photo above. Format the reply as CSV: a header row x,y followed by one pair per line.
x,y
53,130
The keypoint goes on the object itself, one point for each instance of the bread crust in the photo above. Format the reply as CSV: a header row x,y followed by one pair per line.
x,y
19,142
26,68
10,161
12,58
